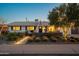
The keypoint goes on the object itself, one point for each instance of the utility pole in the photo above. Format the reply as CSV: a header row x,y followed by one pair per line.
x,y
26,19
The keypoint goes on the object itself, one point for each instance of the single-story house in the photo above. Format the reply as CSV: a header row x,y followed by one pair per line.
x,y
28,26
33,26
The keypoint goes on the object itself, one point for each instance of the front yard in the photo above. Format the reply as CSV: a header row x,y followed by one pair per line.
x,y
36,38
10,37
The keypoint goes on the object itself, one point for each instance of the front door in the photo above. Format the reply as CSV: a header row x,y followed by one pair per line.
x,y
40,29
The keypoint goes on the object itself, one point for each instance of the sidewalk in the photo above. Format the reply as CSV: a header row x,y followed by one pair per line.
x,y
40,49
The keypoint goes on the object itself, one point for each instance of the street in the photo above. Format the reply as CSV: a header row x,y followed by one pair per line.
x,y
40,49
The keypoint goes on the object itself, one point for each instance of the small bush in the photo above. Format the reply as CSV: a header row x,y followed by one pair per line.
x,y
72,39
53,39
77,39
44,39
37,39
11,36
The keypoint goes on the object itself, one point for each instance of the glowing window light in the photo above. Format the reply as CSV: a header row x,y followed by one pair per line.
x,y
16,28
59,28
30,28
43,28
51,28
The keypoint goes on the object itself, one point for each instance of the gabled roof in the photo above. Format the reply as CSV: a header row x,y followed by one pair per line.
x,y
3,24
29,23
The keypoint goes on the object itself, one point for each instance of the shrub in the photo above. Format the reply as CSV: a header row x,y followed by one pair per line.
x,y
11,36
53,39
20,35
45,39
37,39
72,39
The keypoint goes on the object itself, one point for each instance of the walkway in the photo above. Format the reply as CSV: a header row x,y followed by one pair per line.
x,y
23,40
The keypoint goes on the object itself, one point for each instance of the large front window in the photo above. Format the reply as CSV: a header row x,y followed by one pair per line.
x,y
30,28
16,28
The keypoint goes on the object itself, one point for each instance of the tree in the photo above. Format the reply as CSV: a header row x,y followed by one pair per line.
x,y
72,13
53,16
65,15
68,12
57,16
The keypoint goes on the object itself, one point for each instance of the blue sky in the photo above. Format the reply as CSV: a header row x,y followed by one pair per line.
x,y
19,11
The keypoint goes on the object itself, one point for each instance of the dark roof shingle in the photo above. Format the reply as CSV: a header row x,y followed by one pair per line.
x,y
28,23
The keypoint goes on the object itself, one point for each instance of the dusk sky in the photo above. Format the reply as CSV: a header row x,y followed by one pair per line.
x,y
19,11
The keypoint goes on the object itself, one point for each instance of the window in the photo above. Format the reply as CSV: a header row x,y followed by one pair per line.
x,y
23,27
30,28
43,28
16,28
51,28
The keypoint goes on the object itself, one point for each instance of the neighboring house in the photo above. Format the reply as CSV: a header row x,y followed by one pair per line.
x,y
3,27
